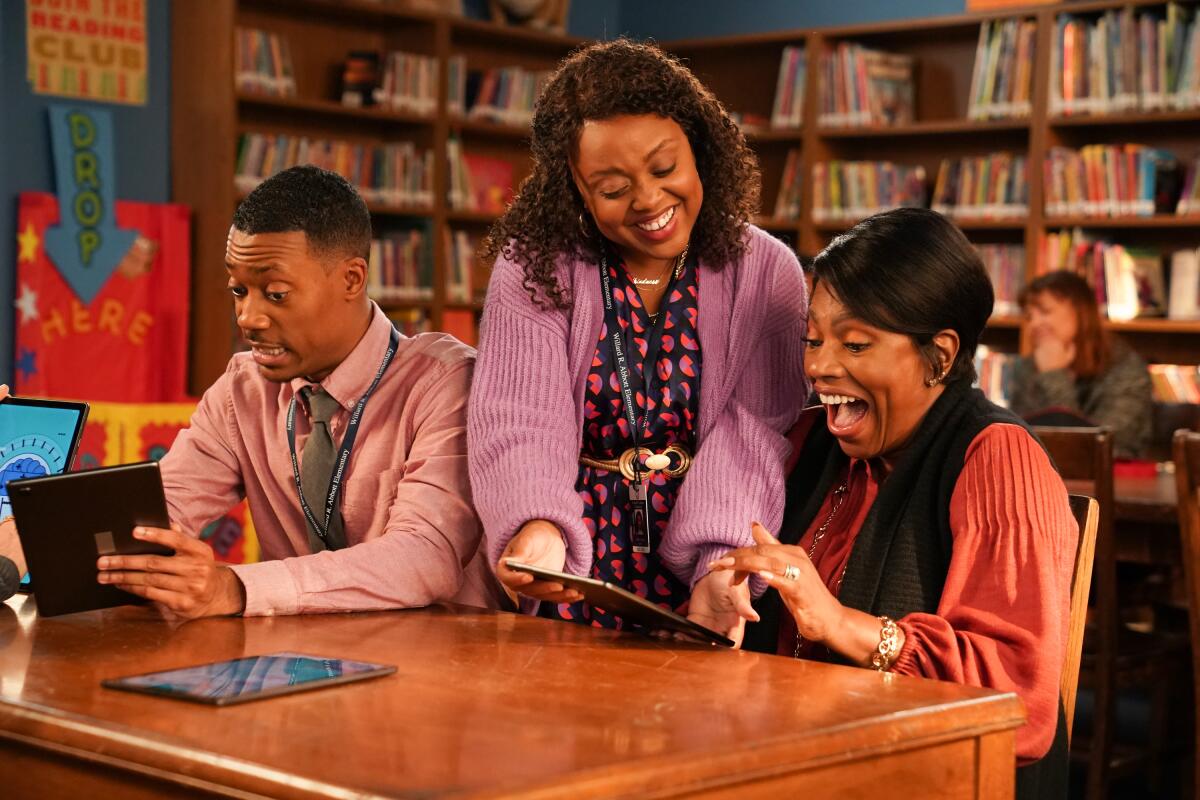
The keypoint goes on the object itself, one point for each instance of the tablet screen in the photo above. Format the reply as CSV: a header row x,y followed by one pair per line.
x,y
248,678
37,437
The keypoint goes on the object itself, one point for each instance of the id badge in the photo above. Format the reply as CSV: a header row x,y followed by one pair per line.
x,y
639,517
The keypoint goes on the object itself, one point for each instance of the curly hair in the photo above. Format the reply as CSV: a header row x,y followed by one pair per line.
x,y
602,81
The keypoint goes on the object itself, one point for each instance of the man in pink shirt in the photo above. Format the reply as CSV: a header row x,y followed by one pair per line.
x,y
388,524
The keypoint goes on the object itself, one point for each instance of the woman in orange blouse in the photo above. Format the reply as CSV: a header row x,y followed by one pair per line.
x,y
926,532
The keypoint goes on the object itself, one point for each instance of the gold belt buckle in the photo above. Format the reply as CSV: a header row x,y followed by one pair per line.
x,y
626,462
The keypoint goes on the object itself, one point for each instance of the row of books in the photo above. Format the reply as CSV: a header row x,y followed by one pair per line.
x,y
1125,60
993,370
1189,195
847,191
861,86
461,249
478,183
505,95
263,63
409,83
396,174
787,202
401,267
1005,264
1003,76
1110,180
788,109
1175,383
1129,281
994,186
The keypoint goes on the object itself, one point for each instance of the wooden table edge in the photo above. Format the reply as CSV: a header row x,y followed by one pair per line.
x,y
154,755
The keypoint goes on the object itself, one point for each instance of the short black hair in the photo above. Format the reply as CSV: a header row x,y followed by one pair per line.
x,y
912,271
321,204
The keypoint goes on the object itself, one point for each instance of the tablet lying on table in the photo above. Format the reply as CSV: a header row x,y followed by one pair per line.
x,y
252,678
625,604
66,522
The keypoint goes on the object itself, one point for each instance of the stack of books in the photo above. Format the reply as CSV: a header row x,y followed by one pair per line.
x,y
1129,281
1125,60
1005,264
401,267
264,64
788,109
409,83
1001,82
461,248
847,191
478,183
505,95
994,374
787,202
396,174
1175,383
994,186
1110,181
860,86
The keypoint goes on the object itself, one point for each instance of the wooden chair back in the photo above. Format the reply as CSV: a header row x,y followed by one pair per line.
x,y
1087,516
1186,450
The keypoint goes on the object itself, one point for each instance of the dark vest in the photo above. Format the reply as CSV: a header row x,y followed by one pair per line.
x,y
902,553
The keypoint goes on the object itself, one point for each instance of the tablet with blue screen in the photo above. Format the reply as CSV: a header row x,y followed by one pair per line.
x,y
252,678
37,438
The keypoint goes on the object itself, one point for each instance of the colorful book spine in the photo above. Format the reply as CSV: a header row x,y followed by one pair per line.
x,y
1126,60
506,95
1130,282
993,370
994,186
409,83
1175,383
787,202
1002,79
1108,181
787,111
397,174
864,87
847,191
263,64
400,268
1005,264
461,258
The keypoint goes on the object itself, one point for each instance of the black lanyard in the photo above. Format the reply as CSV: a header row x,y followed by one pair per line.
x,y
335,480
653,347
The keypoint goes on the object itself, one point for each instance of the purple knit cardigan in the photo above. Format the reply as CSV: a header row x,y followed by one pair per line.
x,y
525,419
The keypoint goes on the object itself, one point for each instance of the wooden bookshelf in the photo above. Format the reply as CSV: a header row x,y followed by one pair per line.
x,y
209,114
742,71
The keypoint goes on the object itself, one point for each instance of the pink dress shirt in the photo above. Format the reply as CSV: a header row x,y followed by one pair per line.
x,y
412,535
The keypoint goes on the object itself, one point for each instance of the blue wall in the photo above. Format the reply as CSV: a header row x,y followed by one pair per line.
x,y
682,19
142,141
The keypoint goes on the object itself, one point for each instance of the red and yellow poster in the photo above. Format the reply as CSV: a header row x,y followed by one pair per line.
x,y
90,49
127,342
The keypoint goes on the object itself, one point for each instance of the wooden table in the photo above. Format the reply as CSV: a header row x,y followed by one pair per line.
x,y
484,704
1145,518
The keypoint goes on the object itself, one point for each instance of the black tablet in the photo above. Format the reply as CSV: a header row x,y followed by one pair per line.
x,y
66,522
252,678
619,602
37,437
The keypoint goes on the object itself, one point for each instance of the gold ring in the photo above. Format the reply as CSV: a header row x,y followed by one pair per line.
x,y
791,572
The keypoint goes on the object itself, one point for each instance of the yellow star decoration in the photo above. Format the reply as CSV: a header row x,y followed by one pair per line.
x,y
28,242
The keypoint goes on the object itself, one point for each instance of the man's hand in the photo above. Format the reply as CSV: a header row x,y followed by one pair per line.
x,y
187,585
539,543
721,605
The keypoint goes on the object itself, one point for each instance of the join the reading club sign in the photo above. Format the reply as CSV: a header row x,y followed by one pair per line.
x,y
90,49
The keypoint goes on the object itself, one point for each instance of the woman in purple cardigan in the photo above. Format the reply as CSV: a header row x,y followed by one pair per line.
x,y
629,246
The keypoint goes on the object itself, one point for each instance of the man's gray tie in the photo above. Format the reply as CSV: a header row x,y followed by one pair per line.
x,y
316,468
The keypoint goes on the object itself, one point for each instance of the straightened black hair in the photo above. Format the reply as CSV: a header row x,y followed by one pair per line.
x,y
912,271
321,204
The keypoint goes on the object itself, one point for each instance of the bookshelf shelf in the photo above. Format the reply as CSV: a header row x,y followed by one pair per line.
x,y
946,127
481,217
1140,120
755,134
330,108
357,11
496,129
1004,322
1172,326
511,38
1158,221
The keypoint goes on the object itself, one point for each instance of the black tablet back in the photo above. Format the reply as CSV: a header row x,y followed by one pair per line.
x,y
66,522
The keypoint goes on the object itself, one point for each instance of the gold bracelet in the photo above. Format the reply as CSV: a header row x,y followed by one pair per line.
x,y
889,645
